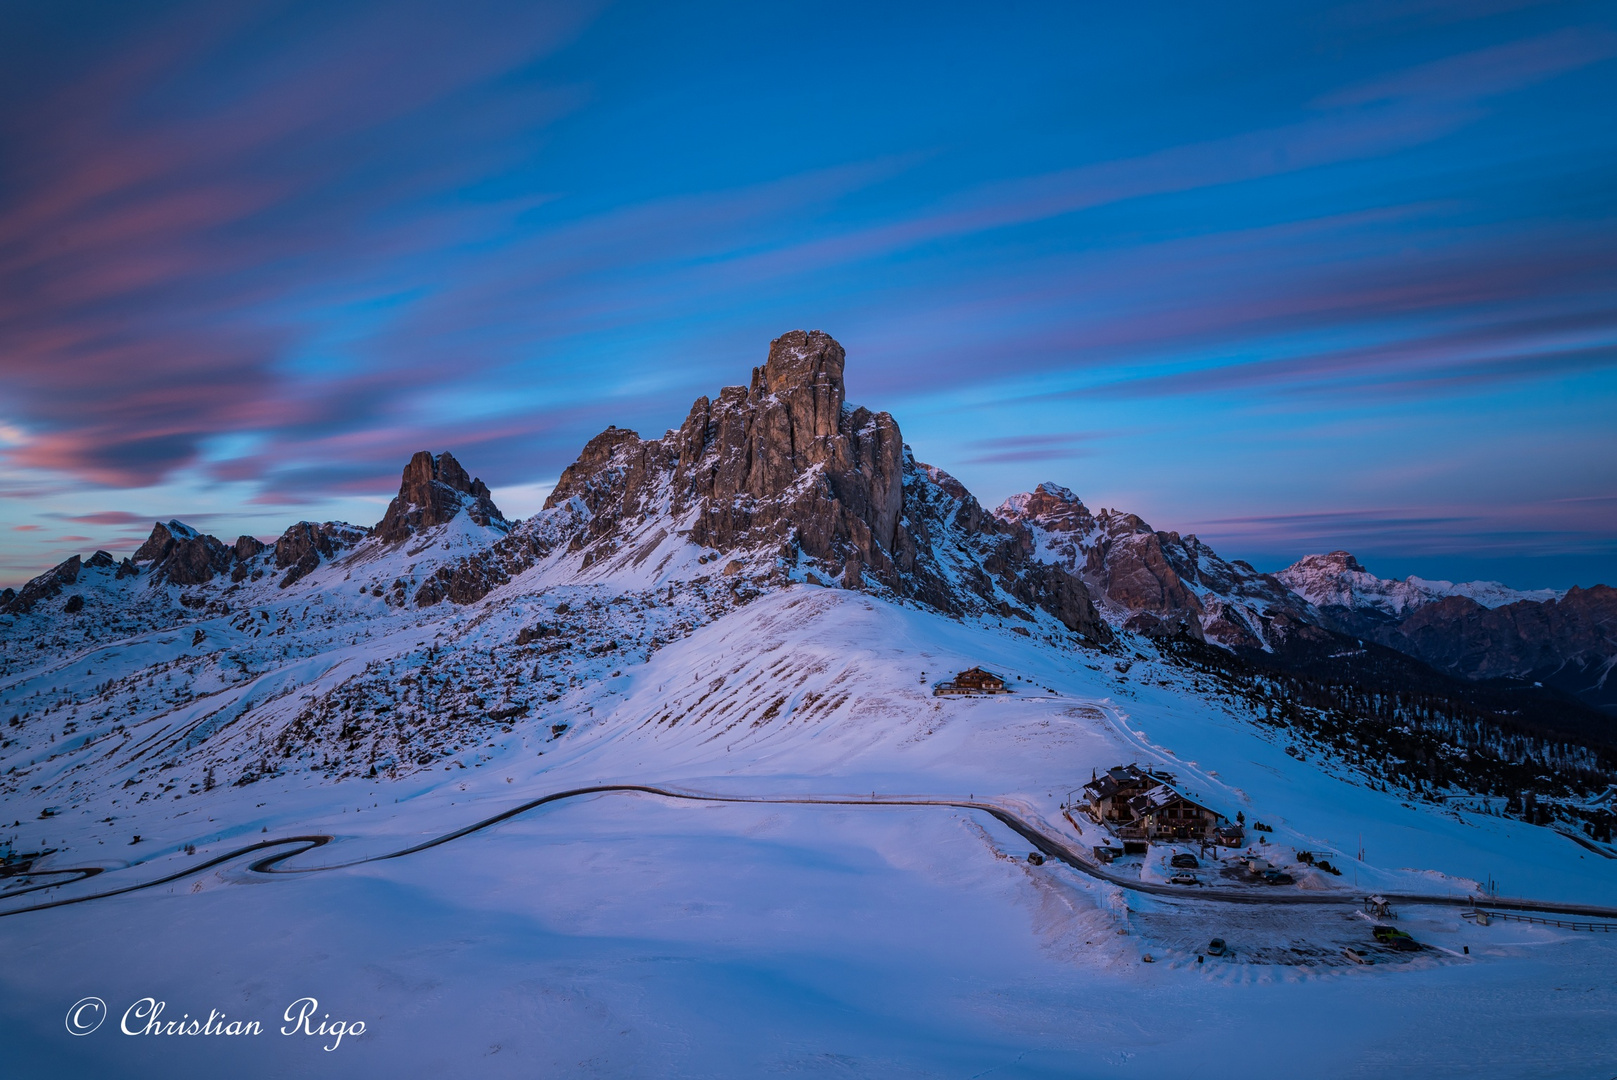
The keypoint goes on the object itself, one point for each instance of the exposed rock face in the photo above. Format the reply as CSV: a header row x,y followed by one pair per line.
x,y
1156,583
194,560
162,541
783,462
1570,643
954,556
434,489
1064,522
786,466
300,549
1128,564
182,556
245,550
473,577
45,586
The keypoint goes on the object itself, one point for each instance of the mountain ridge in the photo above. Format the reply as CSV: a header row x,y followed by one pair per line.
x,y
785,480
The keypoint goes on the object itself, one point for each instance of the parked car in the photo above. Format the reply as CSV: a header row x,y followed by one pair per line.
x,y
1216,947
1184,861
1391,935
1356,956
1184,879
1035,858
1277,877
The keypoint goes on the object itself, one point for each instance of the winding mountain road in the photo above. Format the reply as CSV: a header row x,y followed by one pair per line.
x,y
1051,846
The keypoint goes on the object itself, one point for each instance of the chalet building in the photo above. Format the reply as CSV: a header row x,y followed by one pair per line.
x,y
1161,813
1110,792
1142,805
972,681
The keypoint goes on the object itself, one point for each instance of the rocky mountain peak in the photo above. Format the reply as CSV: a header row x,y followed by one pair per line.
x,y
181,555
1337,579
1340,562
434,488
804,371
43,587
787,472
763,460
1050,506
162,540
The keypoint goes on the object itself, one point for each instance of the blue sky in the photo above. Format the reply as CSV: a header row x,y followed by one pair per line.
x,y
1292,277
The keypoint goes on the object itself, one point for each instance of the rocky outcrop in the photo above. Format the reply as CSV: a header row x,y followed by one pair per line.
x,y
1128,564
194,560
785,463
433,490
469,579
301,548
162,540
956,557
179,555
245,550
1155,583
786,466
45,586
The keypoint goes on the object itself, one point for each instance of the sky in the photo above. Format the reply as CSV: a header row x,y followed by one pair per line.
x,y
1292,277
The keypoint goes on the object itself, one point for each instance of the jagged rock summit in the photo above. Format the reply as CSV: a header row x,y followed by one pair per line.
x,y
782,462
786,472
433,490
179,554
1155,583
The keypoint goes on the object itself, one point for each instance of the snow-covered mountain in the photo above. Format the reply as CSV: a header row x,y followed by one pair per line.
x,y
1155,582
344,648
749,612
1337,579
1476,630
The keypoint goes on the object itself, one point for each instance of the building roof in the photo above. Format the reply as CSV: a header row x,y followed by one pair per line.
x,y
1161,795
1121,777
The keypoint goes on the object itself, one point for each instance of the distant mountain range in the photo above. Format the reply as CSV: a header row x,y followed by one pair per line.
x,y
783,481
